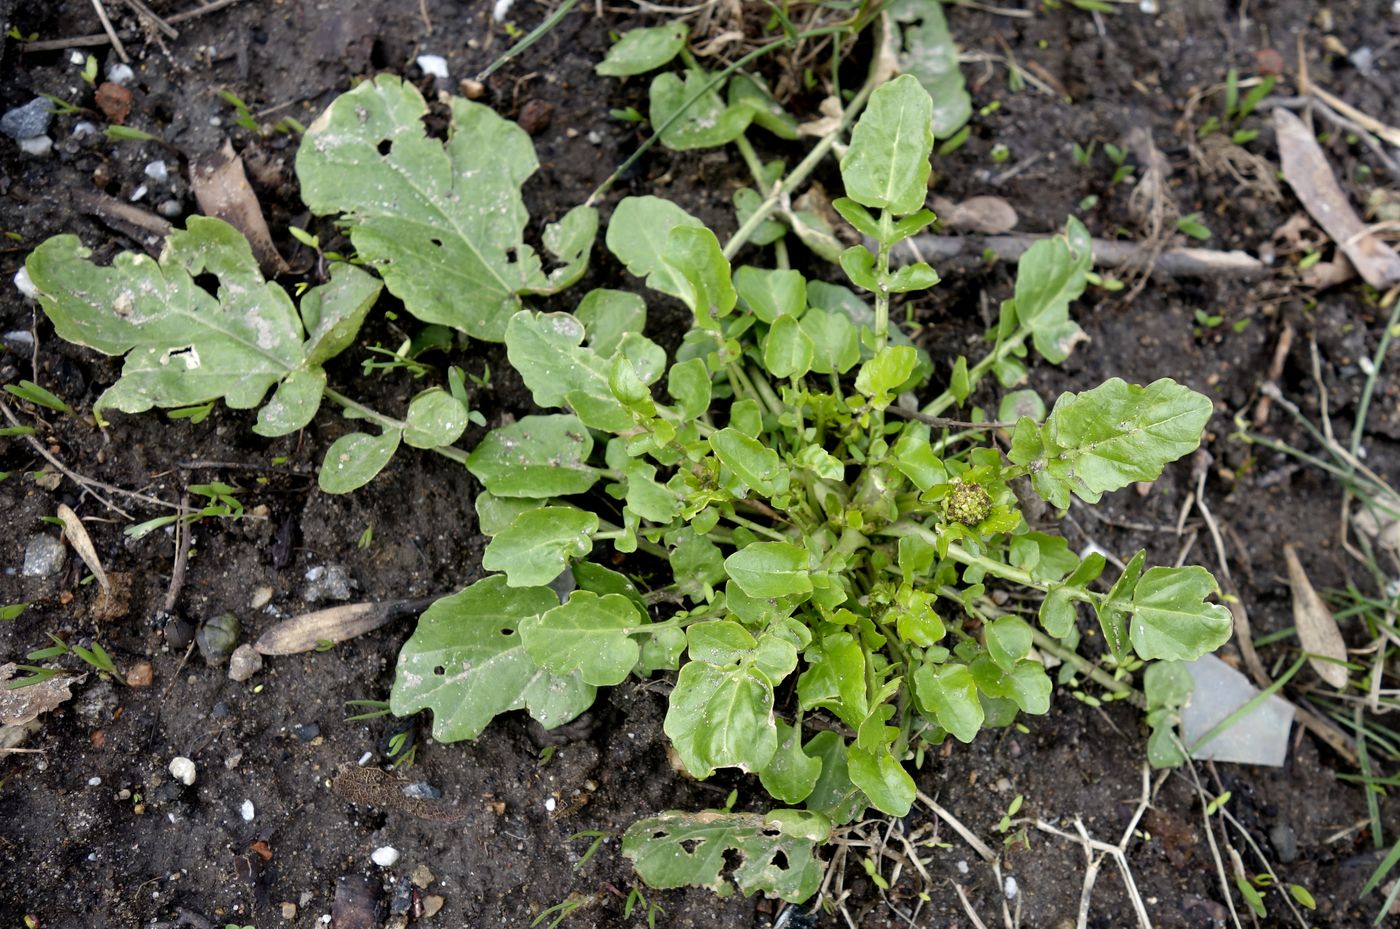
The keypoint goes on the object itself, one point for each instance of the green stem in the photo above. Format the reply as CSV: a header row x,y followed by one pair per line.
x,y
882,275
1085,667
806,166
752,160
388,422
978,371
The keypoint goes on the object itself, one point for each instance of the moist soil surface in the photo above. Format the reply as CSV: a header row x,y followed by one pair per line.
x,y
95,831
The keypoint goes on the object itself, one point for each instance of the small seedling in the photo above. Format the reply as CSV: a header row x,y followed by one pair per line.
x,y
33,393
89,72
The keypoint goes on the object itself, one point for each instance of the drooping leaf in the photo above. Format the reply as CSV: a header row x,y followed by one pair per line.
x,y
834,796
776,851
835,342
950,694
721,717
792,773
1113,610
1049,277
608,316
770,294
882,778
643,50
688,116
755,465
1171,621
770,569
586,634
886,165
1109,437
185,346
787,350
547,350
536,456
1009,640
443,223
467,664
835,678
537,547
931,57
701,273
744,91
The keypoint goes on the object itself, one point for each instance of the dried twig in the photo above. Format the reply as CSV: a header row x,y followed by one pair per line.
x,y
967,834
102,38
1173,262
150,16
111,33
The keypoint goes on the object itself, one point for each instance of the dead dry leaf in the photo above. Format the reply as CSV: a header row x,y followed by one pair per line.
x,y
21,705
1307,171
1317,629
307,631
985,214
82,544
222,189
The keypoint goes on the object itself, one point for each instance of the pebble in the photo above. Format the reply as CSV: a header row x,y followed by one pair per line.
x,y
18,339
307,731
385,856
1010,888
138,193
327,582
29,121
244,663
289,911
170,208
262,596
247,811
1285,842
595,137
140,674
43,556
549,804
421,877
182,769
431,904
119,73
83,129
25,285
433,65
421,790
218,637
158,172
94,782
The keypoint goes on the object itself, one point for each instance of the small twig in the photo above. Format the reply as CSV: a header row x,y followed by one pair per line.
x,y
423,14
941,422
967,834
1173,262
111,33
183,537
150,16
967,906
101,38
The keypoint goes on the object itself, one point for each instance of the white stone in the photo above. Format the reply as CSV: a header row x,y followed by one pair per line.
x,y
182,769
247,811
24,284
962,867
83,128
94,782
502,7
119,73
158,172
138,193
549,805
38,146
1260,737
385,856
1010,888
434,65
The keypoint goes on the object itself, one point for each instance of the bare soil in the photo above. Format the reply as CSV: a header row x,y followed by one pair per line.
x,y
94,832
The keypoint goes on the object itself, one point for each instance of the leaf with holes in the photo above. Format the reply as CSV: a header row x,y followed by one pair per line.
x,y
722,718
466,662
184,345
442,222
776,851
536,456
587,634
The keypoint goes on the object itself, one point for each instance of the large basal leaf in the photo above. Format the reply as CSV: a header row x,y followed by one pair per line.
x,y
443,223
186,346
467,663
776,851
1109,437
643,50
637,234
536,456
588,634
537,547
887,166
547,350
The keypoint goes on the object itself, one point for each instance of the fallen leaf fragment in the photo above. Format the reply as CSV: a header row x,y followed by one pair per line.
x,y
82,544
1317,628
222,189
23,704
1308,173
985,214
309,630
114,101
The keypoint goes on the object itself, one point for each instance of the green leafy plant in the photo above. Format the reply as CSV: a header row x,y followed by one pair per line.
x,y
798,538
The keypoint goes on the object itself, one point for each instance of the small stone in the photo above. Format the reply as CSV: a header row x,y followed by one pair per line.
x,y
1285,842
94,782
247,811
244,663
385,856
138,193
262,596
170,208
535,116
327,582
119,73
421,877
433,65
289,911
233,760
141,674
595,137
472,90
421,790
25,285
218,637
43,556
157,171
29,121
38,147
306,732
550,804
114,101
431,904
83,129
182,769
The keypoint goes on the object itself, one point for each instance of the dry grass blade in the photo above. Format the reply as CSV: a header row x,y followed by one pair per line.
x,y
311,630
967,834
82,544
1317,629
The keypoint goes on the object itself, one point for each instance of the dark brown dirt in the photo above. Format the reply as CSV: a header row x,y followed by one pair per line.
x,y
92,832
